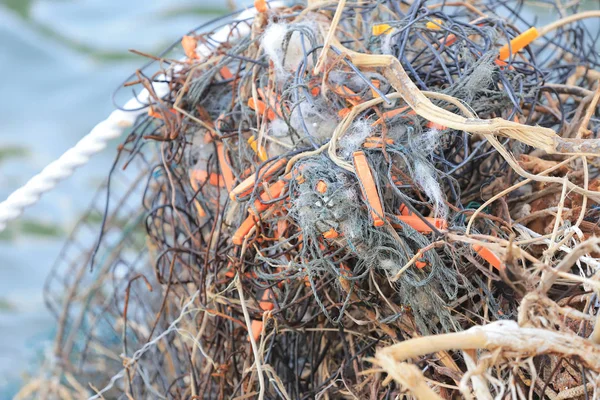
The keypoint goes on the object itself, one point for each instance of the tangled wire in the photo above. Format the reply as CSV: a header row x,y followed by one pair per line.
x,y
330,179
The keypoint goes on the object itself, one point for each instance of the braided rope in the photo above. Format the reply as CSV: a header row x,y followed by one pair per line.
x,y
77,156
97,140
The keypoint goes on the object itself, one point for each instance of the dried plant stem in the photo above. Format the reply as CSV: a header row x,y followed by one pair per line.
x,y
480,386
504,335
595,336
568,20
510,189
330,36
538,137
416,257
257,361
409,376
539,177
548,279
557,222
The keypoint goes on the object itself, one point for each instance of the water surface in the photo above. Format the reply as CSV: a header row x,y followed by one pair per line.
x,y
59,63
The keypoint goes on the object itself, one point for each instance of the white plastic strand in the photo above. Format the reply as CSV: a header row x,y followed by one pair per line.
x,y
77,156
97,140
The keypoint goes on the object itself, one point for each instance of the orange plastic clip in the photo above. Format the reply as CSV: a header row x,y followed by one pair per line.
x,y
189,47
202,176
518,43
368,187
397,111
417,223
321,187
245,188
256,328
344,269
155,114
380,29
265,302
262,154
404,210
434,24
373,142
488,256
273,102
392,113
226,171
244,229
375,83
343,112
352,97
435,125
266,305
261,6
260,107
331,234
274,192
226,73
398,182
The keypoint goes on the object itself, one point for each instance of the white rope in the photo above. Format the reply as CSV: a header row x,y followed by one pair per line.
x,y
77,156
96,141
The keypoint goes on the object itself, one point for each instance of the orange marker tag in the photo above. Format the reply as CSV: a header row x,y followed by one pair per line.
x,y
245,188
488,256
331,234
417,223
189,47
275,191
518,43
260,107
226,171
368,187
261,6
242,232
321,187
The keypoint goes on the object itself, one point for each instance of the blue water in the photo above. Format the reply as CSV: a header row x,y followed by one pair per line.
x,y
59,63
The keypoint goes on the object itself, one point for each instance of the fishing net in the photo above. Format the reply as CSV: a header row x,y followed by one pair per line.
x,y
353,200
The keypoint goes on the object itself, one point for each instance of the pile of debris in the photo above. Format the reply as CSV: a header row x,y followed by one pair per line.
x,y
349,200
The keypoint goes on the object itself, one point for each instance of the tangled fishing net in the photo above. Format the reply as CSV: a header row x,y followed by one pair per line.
x,y
346,200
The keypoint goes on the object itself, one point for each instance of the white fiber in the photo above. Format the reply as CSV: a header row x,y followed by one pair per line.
x,y
355,136
351,230
199,152
425,177
348,79
295,53
386,42
397,133
390,266
319,125
278,128
281,140
272,44
286,57
424,174
427,142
